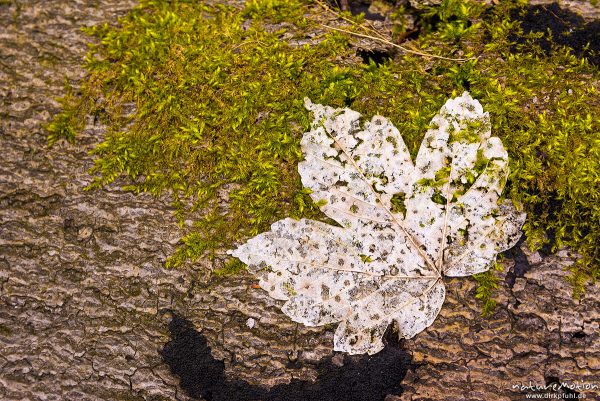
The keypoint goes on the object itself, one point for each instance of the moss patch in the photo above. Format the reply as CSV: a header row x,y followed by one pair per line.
x,y
488,284
217,94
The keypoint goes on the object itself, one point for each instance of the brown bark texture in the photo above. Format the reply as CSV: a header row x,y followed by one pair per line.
x,y
83,291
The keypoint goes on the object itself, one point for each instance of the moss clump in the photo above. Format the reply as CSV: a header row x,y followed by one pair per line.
x,y
488,283
218,110
70,121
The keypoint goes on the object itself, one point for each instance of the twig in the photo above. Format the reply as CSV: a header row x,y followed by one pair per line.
x,y
247,43
379,36
388,42
340,16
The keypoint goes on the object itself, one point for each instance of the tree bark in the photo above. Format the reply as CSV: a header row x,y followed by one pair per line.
x,y
538,333
84,295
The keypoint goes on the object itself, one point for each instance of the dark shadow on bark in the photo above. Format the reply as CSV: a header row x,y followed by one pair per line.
x,y
562,27
359,378
521,265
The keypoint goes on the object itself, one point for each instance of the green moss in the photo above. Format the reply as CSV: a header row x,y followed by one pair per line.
x,y
471,134
366,258
397,202
66,124
218,113
488,284
438,197
289,288
230,267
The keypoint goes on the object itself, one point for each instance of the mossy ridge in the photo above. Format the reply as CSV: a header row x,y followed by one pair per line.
x,y
218,94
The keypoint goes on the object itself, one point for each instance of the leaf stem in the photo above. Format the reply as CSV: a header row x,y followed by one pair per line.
x,y
446,213
395,220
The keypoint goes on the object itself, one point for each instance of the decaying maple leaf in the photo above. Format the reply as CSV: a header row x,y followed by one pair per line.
x,y
403,226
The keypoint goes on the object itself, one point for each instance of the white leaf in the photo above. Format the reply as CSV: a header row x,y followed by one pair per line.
x,y
384,264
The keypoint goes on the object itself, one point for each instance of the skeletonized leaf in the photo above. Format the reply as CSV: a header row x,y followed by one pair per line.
x,y
384,264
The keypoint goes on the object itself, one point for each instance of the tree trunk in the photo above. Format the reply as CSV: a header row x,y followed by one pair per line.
x,y
85,302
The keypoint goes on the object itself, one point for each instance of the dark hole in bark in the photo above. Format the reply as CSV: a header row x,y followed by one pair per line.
x,y
359,378
348,102
553,380
377,56
566,27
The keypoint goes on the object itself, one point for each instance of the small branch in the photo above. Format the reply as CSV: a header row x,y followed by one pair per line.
x,y
418,53
340,16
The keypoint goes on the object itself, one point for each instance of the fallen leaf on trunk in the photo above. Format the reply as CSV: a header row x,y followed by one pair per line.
x,y
402,226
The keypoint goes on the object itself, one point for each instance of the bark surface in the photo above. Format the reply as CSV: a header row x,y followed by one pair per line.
x,y
84,295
